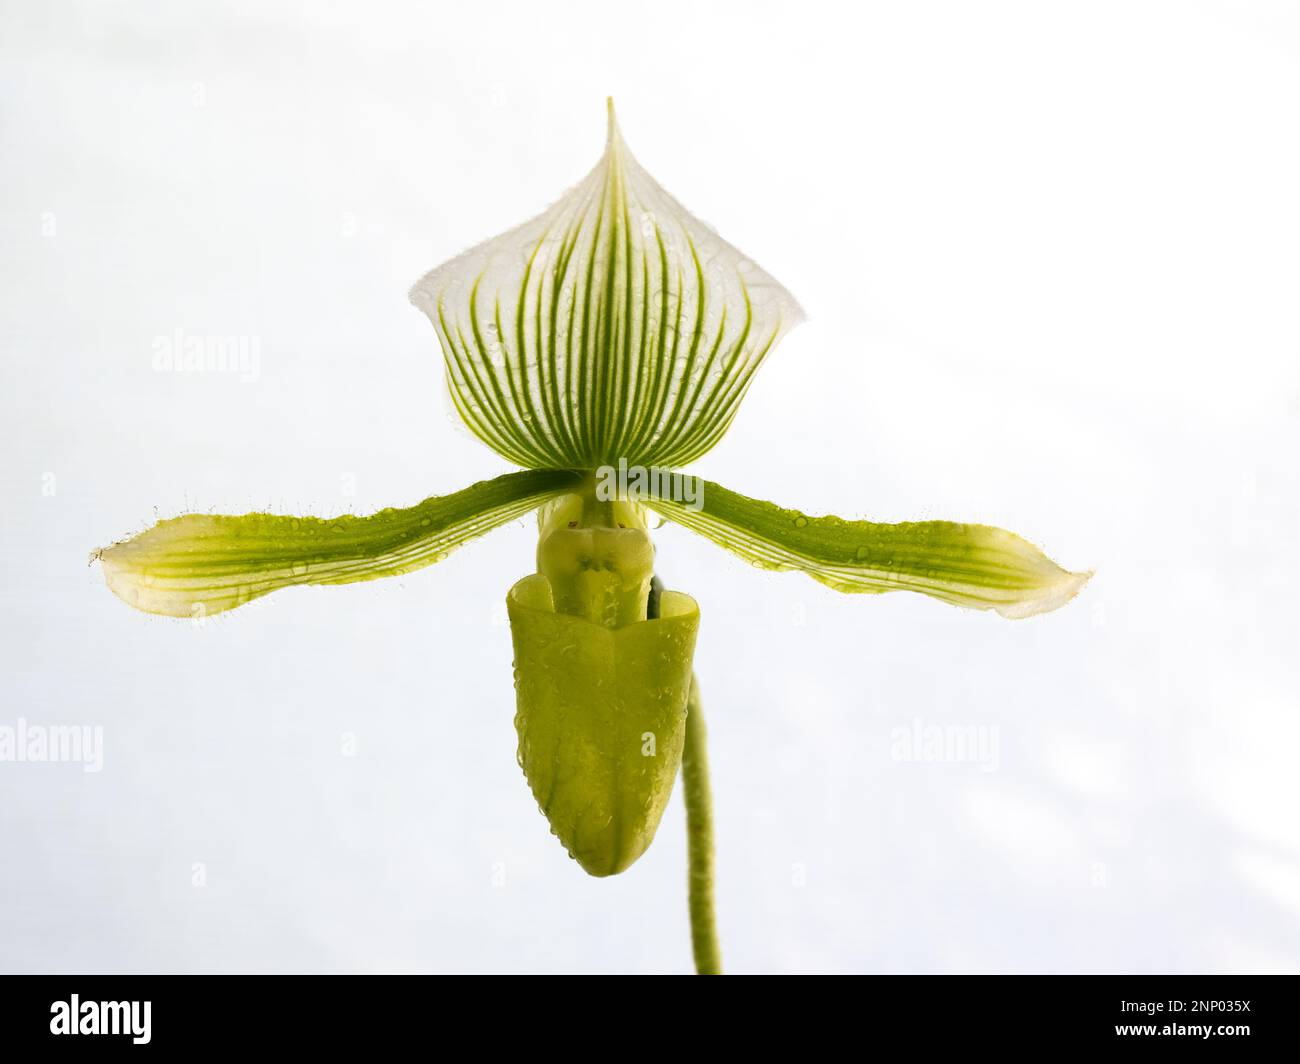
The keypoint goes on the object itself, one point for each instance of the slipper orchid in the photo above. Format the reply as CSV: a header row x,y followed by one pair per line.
x,y
615,330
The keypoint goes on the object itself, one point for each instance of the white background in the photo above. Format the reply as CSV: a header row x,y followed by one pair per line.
x,y
1050,255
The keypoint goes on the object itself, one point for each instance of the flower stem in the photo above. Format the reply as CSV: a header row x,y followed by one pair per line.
x,y
699,839
699,823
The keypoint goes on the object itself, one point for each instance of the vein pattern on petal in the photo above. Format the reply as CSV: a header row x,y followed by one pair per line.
x,y
614,325
201,564
975,566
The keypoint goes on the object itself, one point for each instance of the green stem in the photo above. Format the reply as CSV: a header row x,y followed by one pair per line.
x,y
699,823
699,839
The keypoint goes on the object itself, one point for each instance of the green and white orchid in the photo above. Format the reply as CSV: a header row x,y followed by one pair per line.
x,y
614,331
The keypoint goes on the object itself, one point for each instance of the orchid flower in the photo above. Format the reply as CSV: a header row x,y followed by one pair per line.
x,y
600,347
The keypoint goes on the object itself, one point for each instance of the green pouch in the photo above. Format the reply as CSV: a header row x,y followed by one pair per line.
x,y
601,716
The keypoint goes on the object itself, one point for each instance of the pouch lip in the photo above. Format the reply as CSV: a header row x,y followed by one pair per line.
x,y
533,594
585,696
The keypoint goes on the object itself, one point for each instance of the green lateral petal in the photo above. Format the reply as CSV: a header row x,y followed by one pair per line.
x,y
615,325
975,566
200,564
601,719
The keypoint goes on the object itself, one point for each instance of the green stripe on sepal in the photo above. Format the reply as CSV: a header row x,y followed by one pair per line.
x,y
201,564
601,716
975,566
615,325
